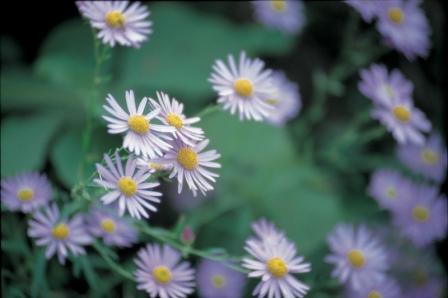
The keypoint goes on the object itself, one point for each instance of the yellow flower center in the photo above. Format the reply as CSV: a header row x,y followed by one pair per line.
x,y
402,113
272,101
108,225
356,258
218,281
60,232
138,124
25,194
243,87
162,275
187,158
127,186
115,19
174,120
420,213
429,156
374,294
391,192
396,15
278,5
155,166
277,267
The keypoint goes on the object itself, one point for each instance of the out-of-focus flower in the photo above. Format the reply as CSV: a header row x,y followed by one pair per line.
x,y
114,230
422,216
215,280
142,137
25,192
404,27
161,273
285,15
171,114
127,186
367,8
117,21
187,236
429,159
357,255
387,288
59,235
266,232
243,88
285,99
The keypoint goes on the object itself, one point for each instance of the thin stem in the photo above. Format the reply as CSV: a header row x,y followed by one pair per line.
x,y
112,264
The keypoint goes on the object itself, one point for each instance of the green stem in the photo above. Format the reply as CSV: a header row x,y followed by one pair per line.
x,y
112,264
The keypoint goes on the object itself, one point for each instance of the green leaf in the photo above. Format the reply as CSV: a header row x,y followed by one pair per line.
x,y
24,141
39,285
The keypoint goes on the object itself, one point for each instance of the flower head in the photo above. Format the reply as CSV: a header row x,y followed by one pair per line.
x,y
160,272
387,288
367,8
215,280
244,87
142,136
357,255
285,15
25,192
117,21
127,186
59,235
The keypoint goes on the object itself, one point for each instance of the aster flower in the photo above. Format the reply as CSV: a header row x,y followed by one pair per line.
x,y
285,15
215,280
114,230
403,120
127,186
59,235
171,114
387,288
161,273
404,27
383,87
422,217
244,88
275,264
190,163
117,21
357,255
142,136
367,8
25,192
387,187
285,100
429,159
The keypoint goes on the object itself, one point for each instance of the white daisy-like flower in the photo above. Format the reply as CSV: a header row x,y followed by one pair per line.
x,y
171,114
142,136
244,87
127,186
117,21
275,264
190,163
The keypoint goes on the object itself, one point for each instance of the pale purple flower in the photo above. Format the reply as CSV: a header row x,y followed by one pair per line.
x,y
285,100
426,287
215,280
60,235
382,86
128,186
404,27
160,272
358,256
429,159
114,230
285,15
387,288
367,8
25,192
117,21
184,202
422,216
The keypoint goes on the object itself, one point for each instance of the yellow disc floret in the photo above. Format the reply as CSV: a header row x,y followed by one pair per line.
x,y
277,267
25,194
420,213
243,87
396,15
356,258
278,5
161,274
391,192
108,225
187,158
402,113
127,186
429,156
60,231
218,281
374,294
138,124
115,19
174,120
